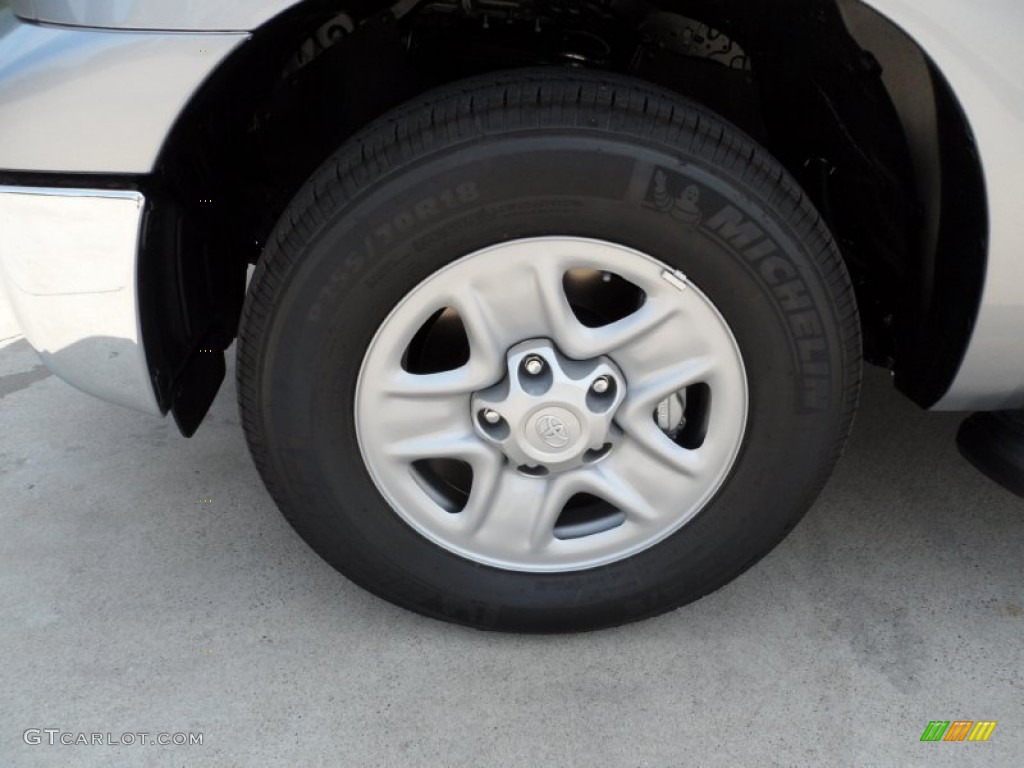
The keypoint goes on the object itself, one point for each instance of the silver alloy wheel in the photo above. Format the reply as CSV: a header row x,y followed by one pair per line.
x,y
519,413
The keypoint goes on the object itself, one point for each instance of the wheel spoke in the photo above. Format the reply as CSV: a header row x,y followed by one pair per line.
x,y
656,445
636,416
453,443
605,482
646,392
633,329
645,490
530,300
512,513
672,335
488,473
413,414
486,344
424,388
499,309
565,329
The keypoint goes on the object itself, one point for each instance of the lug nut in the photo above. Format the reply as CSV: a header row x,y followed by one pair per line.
x,y
492,417
534,366
602,385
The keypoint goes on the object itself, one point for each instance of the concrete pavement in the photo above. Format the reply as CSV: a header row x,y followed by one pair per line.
x,y
148,584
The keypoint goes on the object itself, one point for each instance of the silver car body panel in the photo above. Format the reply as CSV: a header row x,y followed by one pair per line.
x,y
977,47
68,267
129,87
84,100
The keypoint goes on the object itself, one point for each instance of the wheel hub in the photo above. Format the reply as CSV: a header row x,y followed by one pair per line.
x,y
549,413
551,404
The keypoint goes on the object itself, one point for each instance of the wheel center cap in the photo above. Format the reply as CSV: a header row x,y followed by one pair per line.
x,y
554,429
550,413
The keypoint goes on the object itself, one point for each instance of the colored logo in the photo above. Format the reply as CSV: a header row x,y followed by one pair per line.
x,y
958,730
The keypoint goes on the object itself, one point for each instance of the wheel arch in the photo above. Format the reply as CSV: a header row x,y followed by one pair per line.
x,y
904,194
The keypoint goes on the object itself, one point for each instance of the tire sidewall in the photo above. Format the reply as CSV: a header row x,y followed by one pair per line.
x,y
741,249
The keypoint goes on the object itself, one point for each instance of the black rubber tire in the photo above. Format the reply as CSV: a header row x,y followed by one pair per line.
x,y
524,154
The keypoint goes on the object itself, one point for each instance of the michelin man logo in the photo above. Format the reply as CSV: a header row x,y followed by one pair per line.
x,y
670,194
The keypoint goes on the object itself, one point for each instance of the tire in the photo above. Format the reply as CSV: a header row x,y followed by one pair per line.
x,y
486,180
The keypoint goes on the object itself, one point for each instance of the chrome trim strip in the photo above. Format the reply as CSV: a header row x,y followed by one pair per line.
x,y
68,265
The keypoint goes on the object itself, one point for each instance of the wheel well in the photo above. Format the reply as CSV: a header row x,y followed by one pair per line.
x,y
848,103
